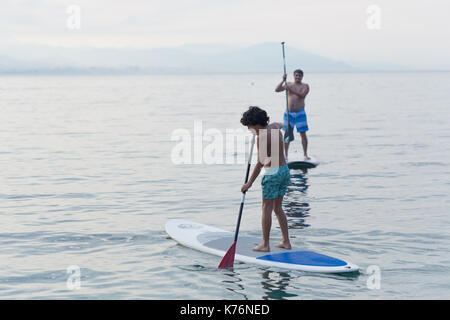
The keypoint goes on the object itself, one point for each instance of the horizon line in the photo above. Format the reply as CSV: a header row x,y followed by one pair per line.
x,y
87,72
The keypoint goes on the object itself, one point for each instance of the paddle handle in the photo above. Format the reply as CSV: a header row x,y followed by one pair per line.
x,y
243,193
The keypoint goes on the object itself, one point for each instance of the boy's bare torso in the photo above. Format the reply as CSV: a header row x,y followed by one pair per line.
x,y
270,146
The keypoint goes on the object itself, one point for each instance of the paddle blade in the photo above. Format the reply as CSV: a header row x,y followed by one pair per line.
x,y
289,134
228,258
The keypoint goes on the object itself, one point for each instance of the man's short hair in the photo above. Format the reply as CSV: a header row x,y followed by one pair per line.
x,y
255,116
299,71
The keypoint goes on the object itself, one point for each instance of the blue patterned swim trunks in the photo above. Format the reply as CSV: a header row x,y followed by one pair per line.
x,y
296,119
275,182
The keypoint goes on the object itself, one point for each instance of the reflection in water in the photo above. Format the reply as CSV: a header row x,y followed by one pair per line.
x,y
294,206
234,282
278,285
274,285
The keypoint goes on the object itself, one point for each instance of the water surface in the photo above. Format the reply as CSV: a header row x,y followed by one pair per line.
x,y
87,179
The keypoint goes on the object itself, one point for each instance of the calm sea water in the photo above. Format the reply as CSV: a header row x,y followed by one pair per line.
x,y
87,181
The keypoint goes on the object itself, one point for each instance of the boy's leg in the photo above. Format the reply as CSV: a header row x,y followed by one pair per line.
x,y
305,145
282,220
267,208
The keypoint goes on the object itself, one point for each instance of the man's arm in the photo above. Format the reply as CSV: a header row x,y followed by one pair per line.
x,y
302,92
280,87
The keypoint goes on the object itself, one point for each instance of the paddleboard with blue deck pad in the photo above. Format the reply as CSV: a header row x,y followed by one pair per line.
x,y
216,241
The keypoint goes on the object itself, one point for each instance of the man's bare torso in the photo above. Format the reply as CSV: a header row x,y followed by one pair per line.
x,y
295,101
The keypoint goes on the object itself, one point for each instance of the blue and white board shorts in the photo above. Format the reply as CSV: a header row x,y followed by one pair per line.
x,y
296,119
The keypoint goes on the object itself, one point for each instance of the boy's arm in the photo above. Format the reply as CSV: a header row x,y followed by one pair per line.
x,y
255,172
258,166
252,179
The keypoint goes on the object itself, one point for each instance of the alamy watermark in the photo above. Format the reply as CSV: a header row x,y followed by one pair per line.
x,y
374,279
373,21
73,21
74,280
214,146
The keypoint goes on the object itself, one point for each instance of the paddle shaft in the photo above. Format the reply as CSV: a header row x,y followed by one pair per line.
x,y
243,194
285,81
287,135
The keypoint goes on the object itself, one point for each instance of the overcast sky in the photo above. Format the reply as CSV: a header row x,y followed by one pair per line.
x,y
407,32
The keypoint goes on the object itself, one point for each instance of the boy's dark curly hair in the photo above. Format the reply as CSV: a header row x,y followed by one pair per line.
x,y
255,116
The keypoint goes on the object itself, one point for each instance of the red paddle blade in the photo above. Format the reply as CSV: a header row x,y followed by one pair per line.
x,y
228,258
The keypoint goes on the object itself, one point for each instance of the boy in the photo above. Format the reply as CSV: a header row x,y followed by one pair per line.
x,y
297,93
276,177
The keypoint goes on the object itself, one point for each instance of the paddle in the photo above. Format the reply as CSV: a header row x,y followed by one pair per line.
x,y
289,133
228,259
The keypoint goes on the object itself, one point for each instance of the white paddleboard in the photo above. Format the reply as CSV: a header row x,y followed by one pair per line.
x,y
217,242
297,161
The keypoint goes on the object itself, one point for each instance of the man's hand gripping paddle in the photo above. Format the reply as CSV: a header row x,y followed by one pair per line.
x,y
289,133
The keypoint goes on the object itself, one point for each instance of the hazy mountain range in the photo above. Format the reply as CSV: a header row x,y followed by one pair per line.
x,y
266,57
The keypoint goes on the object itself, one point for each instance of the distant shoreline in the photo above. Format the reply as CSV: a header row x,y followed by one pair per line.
x,y
180,73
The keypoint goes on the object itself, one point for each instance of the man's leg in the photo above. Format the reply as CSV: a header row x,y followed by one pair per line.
x,y
288,131
304,144
286,150
267,208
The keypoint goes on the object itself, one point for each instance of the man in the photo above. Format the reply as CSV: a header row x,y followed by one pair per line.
x,y
297,93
